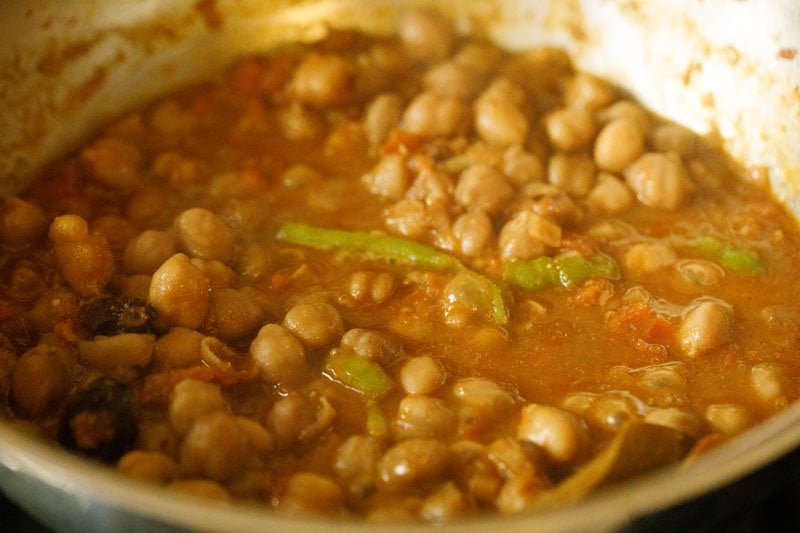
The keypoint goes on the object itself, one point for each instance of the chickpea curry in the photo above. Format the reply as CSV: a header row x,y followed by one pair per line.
x,y
401,278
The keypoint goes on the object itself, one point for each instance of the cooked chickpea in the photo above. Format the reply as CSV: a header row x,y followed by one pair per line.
x,y
114,162
382,115
677,419
148,251
573,173
373,345
648,257
674,138
152,467
296,419
770,383
484,188
234,315
729,418
659,180
500,121
356,463
21,222
85,260
522,167
426,35
706,326
308,492
191,399
215,446
516,242
324,80
433,115
203,234
422,375
562,435
483,401
38,381
423,416
280,355
389,179
618,144
298,123
451,78
570,129
371,288
447,503
126,350
179,347
179,292
625,109
316,324
474,231
587,90
609,195
413,462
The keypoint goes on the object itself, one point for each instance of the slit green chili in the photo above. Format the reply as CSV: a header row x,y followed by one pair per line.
x,y
565,270
393,249
729,256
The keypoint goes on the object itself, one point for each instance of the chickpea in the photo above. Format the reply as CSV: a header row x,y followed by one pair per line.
x,y
371,288
308,492
522,167
316,324
672,137
191,399
500,121
659,180
447,503
625,109
516,242
389,179
677,419
203,234
562,435
707,325
413,462
126,350
382,115
324,80
479,57
421,416
609,412
21,222
215,447
148,251
432,115
474,231
729,419
113,162
234,314
450,78
151,467
422,375
86,261
648,257
298,123
770,383
700,273
589,91
570,129
426,35
609,195
218,274
372,345
280,355
482,400
179,347
483,188
295,419
618,144
573,173
179,292
356,462
38,381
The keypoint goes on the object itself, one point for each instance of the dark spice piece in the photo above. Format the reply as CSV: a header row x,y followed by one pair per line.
x,y
112,315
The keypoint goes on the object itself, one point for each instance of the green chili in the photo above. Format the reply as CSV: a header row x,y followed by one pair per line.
x,y
566,270
377,423
359,374
730,257
392,249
